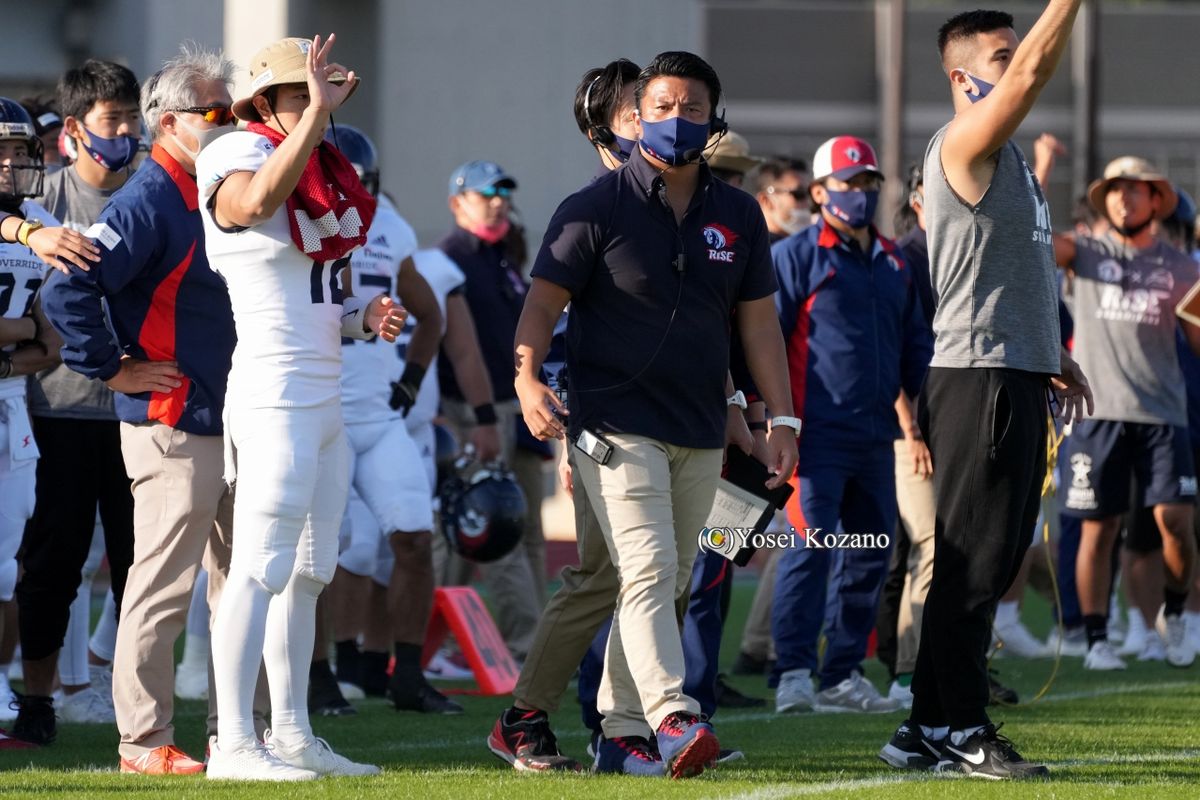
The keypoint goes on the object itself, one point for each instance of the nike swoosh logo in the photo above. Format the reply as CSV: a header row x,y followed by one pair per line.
x,y
975,758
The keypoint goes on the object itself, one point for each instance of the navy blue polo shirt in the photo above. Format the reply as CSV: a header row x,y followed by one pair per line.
x,y
495,293
647,344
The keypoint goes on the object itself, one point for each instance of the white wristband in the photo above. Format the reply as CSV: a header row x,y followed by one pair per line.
x,y
354,313
787,422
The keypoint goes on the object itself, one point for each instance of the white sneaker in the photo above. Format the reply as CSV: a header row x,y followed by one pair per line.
x,y
1102,658
442,668
101,679
1072,643
901,694
191,683
1193,628
86,706
1018,641
351,691
795,691
319,757
1135,634
1173,631
1153,649
857,695
255,763
8,700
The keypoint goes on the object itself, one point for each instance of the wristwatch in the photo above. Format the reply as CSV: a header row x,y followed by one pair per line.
x,y
737,399
26,228
787,422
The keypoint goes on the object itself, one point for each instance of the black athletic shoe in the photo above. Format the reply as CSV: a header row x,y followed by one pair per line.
x,y
324,695
747,664
35,722
910,748
999,694
413,693
729,697
728,754
524,739
987,754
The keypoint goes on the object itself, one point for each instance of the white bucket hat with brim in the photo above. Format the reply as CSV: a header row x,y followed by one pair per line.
x,y
1132,168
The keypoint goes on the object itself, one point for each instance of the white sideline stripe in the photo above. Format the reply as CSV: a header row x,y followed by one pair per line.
x,y
780,790
771,716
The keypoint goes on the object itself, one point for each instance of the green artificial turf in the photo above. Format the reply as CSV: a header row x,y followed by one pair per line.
x,y
1132,734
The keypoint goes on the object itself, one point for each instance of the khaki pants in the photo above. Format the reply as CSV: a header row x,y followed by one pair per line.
x,y
756,637
516,584
183,513
914,497
651,500
572,617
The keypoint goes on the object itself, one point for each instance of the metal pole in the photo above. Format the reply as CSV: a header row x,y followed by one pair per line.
x,y
1085,79
889,48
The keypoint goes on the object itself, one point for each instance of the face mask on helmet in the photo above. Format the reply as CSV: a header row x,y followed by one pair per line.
x,y
23,176
483,518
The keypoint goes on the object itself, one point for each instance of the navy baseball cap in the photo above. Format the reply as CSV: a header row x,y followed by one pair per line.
x,y
475,176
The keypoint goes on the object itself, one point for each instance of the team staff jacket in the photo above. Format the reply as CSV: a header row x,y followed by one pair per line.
x,y
163,300
651,301
855,334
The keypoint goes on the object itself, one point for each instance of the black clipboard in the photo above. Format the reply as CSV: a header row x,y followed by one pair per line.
x,y
747,473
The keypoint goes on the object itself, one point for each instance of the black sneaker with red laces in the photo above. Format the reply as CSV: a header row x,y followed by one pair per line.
x,y
523,738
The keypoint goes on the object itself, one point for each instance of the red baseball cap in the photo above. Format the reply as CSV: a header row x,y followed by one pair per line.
x,y
843,157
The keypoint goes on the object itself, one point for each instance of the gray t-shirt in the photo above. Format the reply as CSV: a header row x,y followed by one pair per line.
x,y
1125,328
992,267
59,392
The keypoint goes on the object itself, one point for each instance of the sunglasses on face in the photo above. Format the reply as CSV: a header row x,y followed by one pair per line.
x,y
216,115
800,194
495,191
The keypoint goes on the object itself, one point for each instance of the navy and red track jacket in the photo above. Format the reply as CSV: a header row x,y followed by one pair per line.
x,y
164,302
854,331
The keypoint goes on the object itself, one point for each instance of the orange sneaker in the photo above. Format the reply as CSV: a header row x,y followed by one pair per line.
x,y
165,760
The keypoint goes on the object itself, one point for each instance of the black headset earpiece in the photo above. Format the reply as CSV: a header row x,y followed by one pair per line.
x,y
718,124
602,135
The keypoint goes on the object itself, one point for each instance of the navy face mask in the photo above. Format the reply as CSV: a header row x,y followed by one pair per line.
x,y
674,141
624,147
984,88
113,154
855,208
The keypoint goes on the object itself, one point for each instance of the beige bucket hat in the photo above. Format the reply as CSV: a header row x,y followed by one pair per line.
x,y
276,64
1132,168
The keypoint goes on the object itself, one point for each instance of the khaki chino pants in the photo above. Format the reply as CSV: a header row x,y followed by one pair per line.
x,y
915,500
651,500
183,514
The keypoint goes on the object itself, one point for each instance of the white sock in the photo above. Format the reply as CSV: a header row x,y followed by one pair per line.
x,y
958,737
237,651
104,639
935,733
1007,613
195,652
287,653
72,659
198,617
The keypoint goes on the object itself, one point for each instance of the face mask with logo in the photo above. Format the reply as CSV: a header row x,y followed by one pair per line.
x,y
492,233
113,154
855,208
985,88
624,148
204,136
674,141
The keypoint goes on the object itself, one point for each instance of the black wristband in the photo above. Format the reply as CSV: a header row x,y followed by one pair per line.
x,y
485,414
413,375
757,426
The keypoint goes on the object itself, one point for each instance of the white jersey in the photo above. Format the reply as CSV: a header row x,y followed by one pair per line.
x,y
367,365
21,276
287,308
443,276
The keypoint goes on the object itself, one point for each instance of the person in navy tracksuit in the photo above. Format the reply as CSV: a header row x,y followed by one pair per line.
x,y
856,336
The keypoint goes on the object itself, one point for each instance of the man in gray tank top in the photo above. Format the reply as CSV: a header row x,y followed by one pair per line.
x,y
1127,284
983,409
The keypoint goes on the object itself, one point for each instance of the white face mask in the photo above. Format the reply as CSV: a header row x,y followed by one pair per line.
x,y
204,136
795,221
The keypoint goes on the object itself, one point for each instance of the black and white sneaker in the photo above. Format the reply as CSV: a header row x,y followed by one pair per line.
x,y
910,748
987,754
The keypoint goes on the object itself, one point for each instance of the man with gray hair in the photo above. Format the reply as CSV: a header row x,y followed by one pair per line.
x,y
168,364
